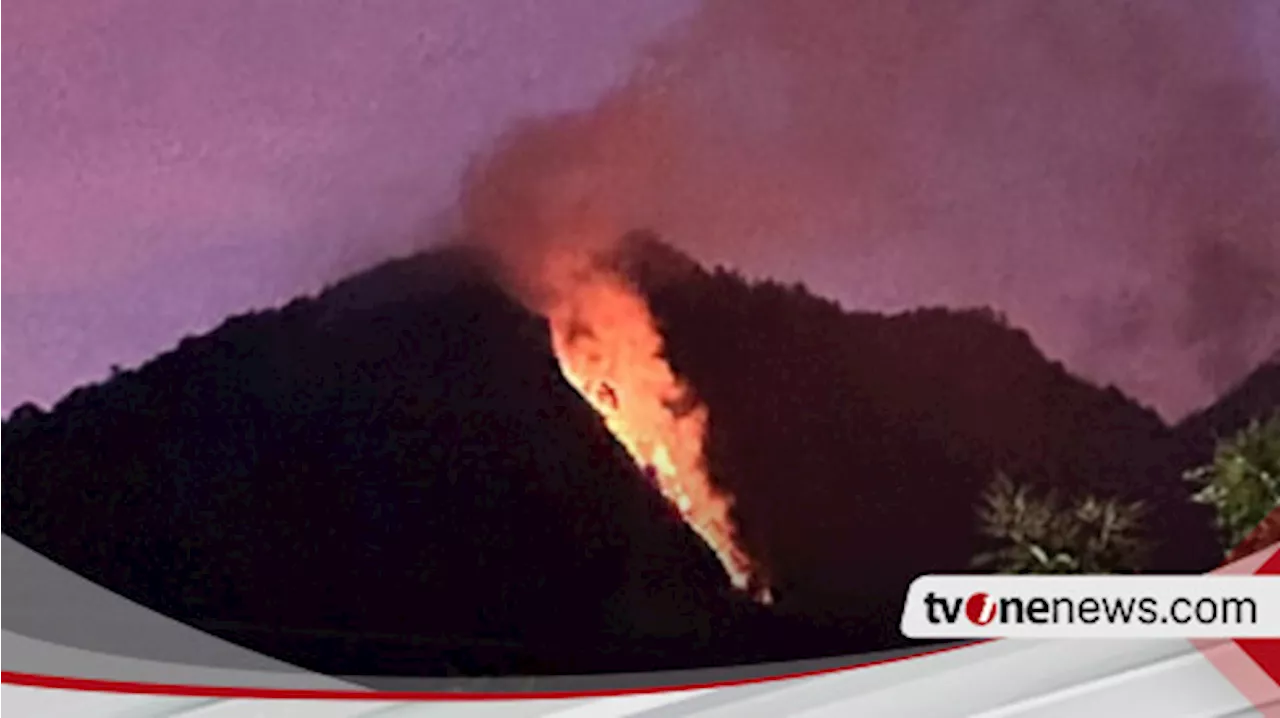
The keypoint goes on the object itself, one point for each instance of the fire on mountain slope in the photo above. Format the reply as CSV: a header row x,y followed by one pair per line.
x,y
549,202
610,350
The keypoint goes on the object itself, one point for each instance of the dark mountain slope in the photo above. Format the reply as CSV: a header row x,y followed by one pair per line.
x,y
1256,397
392,478
858,443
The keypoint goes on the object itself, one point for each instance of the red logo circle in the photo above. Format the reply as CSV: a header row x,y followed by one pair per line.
x,y
980,609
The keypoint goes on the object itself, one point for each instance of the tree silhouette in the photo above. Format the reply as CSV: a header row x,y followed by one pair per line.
x,y
1043,535
1242,483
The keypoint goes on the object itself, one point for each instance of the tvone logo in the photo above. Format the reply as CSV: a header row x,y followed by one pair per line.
x,y
980,608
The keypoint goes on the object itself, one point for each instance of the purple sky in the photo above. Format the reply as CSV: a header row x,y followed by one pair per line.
x,y
1105,173
168,162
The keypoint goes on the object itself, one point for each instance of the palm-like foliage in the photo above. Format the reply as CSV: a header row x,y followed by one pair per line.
x,y
1044,535
1242,484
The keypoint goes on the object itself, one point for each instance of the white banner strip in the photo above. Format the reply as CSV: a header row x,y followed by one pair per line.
x,y
1093,607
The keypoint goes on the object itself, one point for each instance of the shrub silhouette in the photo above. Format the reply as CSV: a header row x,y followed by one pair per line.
x,y
1044,535
1242,483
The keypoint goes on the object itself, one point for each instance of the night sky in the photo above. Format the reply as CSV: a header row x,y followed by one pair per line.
x,y
1107,174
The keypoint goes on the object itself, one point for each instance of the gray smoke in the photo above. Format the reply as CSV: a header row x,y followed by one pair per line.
x,y
1105,173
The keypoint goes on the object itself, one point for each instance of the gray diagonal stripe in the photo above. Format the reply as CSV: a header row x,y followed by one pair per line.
x,y
58,623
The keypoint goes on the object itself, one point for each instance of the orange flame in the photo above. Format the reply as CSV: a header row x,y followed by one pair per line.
x,y
610,350
547,199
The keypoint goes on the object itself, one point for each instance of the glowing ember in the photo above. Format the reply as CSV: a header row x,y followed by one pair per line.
x,y
611,352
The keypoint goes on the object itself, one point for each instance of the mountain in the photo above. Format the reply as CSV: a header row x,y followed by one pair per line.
x,y
393,477
1255,397
857,443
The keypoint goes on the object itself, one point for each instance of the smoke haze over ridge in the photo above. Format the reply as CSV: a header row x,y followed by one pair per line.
x,y
1105,173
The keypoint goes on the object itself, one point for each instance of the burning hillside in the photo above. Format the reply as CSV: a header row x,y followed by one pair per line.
x,y
306,481
610,350
550,216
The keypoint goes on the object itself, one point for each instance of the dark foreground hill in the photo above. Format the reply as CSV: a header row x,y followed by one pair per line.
x,y
858,443
393,477
1254,398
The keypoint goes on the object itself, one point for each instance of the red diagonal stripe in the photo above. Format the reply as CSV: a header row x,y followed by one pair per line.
x,y
1266,652
1254,655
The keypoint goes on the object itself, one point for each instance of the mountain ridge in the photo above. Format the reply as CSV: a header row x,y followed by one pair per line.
x,y
1254,397
409,426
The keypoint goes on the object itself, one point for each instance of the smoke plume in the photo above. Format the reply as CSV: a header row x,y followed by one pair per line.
x,y
543,213
1105,174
